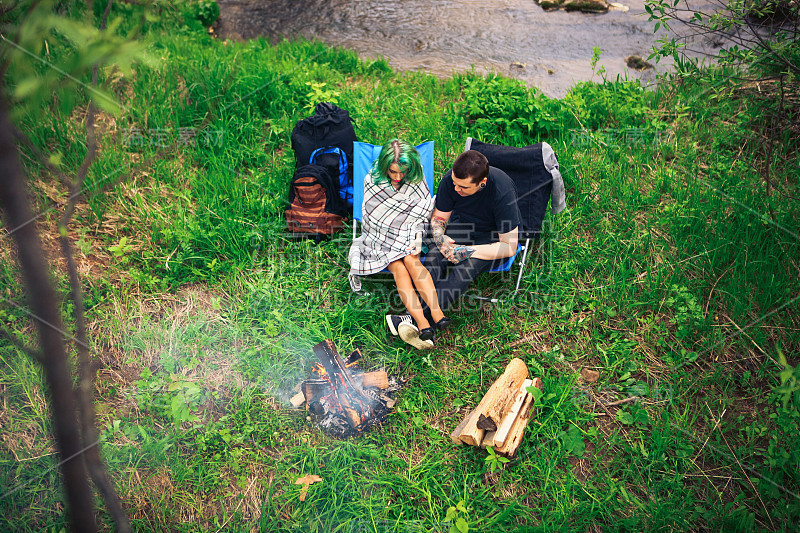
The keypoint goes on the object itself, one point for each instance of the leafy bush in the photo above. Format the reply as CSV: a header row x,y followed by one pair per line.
x,y
206,11
506,111
617,104
758,71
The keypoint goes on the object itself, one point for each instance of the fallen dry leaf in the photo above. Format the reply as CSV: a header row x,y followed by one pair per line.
x,y
308,479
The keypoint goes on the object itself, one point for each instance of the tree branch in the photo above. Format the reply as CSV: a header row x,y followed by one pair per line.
x,y
43,301
85,396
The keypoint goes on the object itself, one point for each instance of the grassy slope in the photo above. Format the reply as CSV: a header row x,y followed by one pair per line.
x,y
203,318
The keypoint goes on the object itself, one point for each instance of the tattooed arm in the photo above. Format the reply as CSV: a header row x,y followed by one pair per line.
x,y
439,221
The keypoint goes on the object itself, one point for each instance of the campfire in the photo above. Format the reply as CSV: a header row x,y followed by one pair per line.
x,y
344,401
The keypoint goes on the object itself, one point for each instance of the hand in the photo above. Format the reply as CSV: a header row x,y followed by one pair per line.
x,y
445,245
416,245
459,253
415,248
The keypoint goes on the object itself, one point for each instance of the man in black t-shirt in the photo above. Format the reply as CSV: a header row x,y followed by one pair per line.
x,y
475,226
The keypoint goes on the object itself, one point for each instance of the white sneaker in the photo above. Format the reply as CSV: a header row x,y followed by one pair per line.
x,y
410,335
394,321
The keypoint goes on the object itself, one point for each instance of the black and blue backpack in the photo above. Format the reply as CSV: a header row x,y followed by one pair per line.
x,y
326,139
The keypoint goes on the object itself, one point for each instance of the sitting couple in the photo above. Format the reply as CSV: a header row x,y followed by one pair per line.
x,y
474,221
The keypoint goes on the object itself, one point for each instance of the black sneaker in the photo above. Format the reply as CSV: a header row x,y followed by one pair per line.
x,y
394,321
427,334
410,335
443,323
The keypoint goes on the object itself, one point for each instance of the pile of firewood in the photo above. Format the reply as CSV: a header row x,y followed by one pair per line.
x,y
500,418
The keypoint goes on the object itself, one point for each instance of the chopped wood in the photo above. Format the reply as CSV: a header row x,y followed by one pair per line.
x,y
488,439
454,436
500,435
378,378
314,389
354,356
297,400
514,438
505,399
512,378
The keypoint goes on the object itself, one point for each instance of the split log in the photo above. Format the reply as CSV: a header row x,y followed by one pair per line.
x,y
297,400
378,379
502,402
454,436
512,378
515,434
500,435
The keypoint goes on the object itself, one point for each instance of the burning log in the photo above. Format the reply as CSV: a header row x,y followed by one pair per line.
x,y
315,389
500,418
345,402
356,405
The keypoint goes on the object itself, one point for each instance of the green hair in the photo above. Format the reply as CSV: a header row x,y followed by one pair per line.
x,y
404,155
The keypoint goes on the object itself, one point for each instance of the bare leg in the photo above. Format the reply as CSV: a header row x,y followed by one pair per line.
x,y
424,282
405,287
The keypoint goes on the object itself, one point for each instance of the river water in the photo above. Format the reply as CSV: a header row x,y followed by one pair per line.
x,y
549,50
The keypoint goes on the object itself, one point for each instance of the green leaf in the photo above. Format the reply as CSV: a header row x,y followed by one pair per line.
x,y
641,417
536,393
787,371
573,441
27,87
460,507
462,525
624,416
451,514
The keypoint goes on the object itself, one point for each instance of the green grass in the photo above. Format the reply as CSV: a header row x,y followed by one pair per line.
x,y
663,275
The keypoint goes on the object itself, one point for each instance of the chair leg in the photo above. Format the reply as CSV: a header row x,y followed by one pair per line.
x,y
522,266
519,279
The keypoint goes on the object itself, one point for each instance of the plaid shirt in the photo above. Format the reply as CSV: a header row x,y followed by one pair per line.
x,y
392,220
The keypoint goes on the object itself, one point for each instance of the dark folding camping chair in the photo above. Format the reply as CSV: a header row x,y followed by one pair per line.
x,y
534,170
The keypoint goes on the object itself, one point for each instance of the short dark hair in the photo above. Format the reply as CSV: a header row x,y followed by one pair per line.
x,y
471,164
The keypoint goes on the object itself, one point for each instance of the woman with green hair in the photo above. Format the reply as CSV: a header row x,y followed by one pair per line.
x,y
396,210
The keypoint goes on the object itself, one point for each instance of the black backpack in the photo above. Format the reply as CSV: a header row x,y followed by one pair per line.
x,y
329,127
315,207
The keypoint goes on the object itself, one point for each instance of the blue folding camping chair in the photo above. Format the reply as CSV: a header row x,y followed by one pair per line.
x,y
363,156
